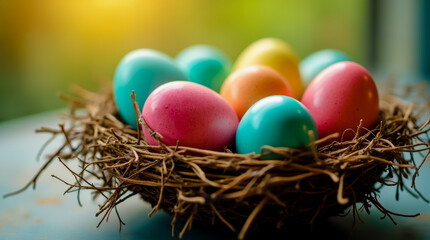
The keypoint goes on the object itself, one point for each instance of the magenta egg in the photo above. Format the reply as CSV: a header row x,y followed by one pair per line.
x,y
190,113
339,97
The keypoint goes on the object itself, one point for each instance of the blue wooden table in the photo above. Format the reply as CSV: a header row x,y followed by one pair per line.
x,y
45,213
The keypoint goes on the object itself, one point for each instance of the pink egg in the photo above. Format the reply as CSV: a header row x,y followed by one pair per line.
x,y
339,97
191,113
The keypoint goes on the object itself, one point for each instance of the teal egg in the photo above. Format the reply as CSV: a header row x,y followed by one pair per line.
x,y
277,121
313,64
205,65
141,70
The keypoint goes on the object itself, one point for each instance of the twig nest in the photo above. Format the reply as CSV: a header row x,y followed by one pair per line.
x,y
238,190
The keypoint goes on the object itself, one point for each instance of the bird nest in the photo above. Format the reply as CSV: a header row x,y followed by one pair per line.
x,y
239,191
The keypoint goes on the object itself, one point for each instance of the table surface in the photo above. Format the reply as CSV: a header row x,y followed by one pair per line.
x,y
45,213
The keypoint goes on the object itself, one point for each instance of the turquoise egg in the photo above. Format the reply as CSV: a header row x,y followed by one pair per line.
x,y
205,65
141,70
313,64
277,121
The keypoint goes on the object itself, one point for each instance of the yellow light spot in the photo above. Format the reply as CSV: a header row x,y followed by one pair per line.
x,y
49,201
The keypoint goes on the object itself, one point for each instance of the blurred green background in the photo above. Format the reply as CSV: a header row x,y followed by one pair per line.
x,y
48,45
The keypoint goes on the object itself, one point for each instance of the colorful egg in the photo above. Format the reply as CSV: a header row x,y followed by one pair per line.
x,y
141,70
313,64
191,113
339,97
276,54
205,65
277,121
249,84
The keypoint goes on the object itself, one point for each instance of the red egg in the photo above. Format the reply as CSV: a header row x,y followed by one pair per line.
x,y
191,113
339,97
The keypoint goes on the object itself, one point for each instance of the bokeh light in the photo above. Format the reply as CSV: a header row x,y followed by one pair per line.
x,y
48,45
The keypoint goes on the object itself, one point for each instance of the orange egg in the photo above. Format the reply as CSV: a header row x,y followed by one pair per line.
x,y
247,85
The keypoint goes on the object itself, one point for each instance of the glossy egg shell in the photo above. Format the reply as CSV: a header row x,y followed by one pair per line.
x,y
340,96
205,65
247,85
276,54
141,70
315,63
191,113
277,121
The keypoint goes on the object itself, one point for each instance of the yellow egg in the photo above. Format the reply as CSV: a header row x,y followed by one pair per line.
x,y
276,54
